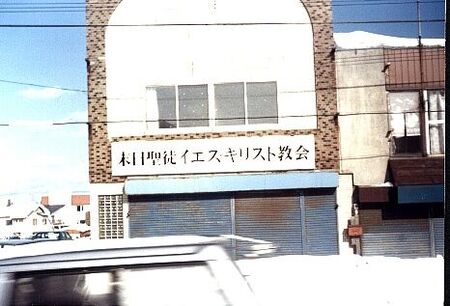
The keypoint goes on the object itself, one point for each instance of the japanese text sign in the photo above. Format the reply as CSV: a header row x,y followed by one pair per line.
x,y
217,155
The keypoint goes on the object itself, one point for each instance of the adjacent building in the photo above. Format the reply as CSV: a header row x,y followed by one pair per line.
x,y
216,117
23,218
69,212
391,103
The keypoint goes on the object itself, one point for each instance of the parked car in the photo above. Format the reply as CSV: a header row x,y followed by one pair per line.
x,y
55,235
182,270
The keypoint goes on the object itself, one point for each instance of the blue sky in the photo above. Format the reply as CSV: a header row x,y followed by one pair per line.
x,y
36,157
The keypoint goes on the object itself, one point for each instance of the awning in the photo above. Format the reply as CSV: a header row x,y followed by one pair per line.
x,y
414,194
228,183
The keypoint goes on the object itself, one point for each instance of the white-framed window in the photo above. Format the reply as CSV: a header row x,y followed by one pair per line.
x,y
434,121
214,105
80,208
405,122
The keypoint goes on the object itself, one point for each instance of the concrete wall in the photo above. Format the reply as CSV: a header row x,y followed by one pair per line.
x,y
344,196
363,120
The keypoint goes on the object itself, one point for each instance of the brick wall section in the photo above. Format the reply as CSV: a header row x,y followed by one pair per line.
x,y
98,13
326,135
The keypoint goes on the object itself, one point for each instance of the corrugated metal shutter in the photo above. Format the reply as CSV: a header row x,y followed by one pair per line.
x,y
405,238
208,217
270,217
321,223
438,231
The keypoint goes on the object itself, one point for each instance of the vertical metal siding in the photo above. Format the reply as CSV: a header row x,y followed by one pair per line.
x,y
321,223
405,238
208,217
272,218
438,231
404,69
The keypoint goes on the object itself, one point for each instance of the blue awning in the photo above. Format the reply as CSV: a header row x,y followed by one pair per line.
x,y
227,183
414,194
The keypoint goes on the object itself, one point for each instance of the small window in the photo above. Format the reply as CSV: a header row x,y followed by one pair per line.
x,y
230,107
80,208
404,119
435,122
193,105
167,107
262,103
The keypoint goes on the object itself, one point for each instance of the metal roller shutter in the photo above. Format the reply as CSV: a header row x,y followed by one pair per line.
x,y
405,238
438,231
321,223
270,217
208,217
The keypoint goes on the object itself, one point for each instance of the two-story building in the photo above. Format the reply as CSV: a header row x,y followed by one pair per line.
x,y
391,102
215,117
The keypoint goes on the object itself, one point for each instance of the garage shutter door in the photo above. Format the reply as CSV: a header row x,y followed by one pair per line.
x,y
301,223
406,238
321,223
274,218
207,216
438,231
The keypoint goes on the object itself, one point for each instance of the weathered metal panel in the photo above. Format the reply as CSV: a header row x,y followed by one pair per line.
x,y
272,217
206,216
417,170
321,223
371,194
404,69
438,232
405,238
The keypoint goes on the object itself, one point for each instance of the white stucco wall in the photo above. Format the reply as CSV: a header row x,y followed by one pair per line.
x,y
344,194
208,42
363,120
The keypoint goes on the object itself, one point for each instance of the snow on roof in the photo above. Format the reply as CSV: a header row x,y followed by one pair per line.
x,y
19,210
364,40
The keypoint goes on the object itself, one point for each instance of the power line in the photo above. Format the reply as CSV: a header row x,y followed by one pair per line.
x,y
93,122
43,86
215,24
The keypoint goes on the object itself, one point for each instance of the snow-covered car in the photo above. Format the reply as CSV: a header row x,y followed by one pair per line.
x,y
178,270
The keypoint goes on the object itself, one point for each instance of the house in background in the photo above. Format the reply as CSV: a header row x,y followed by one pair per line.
x,y
68,212
216,117
23,218
391,103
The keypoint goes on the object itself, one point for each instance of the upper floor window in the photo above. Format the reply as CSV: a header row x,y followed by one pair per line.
x,y
434,122
409,128
206,105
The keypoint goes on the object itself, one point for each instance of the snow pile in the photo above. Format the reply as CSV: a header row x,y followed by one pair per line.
x,y
345,280
363,40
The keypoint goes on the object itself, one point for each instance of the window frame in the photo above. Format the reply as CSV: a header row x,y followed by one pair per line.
x,y
428,122
212,119
424,123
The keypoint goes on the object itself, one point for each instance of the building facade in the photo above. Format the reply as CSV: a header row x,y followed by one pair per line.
x,y
391,104
214,118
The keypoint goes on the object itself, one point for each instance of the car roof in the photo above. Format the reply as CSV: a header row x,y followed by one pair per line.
x,y
97,253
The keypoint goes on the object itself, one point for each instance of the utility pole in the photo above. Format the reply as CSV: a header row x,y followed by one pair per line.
x,y
422,107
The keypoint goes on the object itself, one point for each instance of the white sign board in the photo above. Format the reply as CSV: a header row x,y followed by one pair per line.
x,y
217,155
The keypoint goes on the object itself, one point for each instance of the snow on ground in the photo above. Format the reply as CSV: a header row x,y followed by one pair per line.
x,y
363,40
345,280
